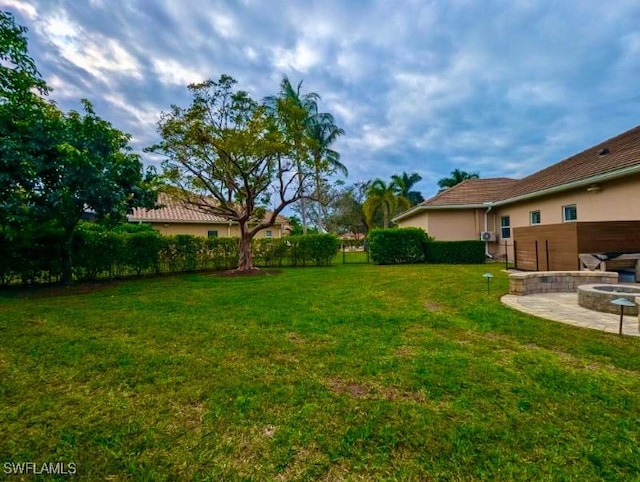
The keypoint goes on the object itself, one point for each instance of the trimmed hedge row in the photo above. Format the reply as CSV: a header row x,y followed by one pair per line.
x,y
456,252
317,249
413,245
139,249
397,246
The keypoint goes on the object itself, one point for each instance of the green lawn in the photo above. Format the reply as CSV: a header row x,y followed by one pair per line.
x,y
354,372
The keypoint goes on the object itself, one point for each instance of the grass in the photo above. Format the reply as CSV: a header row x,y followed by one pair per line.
x,y
354,372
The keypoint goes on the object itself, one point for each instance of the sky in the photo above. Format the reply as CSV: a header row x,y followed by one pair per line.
x,y
501,88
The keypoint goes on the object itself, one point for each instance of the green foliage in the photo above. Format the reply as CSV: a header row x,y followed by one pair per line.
x,y
54,166
270,251
18,72
383,197
397,246
403,184
31,255
457,176
317,248
455,252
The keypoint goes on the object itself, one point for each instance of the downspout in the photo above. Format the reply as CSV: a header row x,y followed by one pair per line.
x,y
486,228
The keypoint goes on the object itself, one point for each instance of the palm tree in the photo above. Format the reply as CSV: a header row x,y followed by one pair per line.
x,y
404,183
383,197
456,177
321,129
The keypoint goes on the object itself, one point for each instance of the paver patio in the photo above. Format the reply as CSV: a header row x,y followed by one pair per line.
x,y
563,307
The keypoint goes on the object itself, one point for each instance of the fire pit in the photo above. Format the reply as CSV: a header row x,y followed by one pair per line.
x,y
598,297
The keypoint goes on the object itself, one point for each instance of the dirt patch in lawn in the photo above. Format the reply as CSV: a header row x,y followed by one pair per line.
x,y
253,272
433,307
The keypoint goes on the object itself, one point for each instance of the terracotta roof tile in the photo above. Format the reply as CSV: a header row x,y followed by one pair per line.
x,y
172,210
621,151
471,191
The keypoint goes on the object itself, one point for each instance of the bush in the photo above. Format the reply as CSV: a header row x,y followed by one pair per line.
x,y
396,246
269,251
455,252
221,253
316,248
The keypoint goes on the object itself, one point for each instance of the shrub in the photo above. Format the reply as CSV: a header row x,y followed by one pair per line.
x,y
317,248
222,253
455,252
398,245
142,250
269,251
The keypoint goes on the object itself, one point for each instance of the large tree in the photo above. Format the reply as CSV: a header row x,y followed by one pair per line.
x,y
95,170
345,211
383,197
404,182
233,157
56,166
456,177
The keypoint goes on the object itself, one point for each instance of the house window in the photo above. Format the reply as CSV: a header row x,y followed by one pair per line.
x,y
569,213
268,233
534,217
212,234
505,227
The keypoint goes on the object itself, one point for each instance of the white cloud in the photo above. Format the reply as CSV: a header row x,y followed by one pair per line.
x,y
25,7
302,58
172,72
93,52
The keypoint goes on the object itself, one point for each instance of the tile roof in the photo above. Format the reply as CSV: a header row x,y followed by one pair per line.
x,y
472,191
171,210
618,153
606,158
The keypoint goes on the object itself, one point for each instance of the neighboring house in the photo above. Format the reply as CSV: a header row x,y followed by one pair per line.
x,y
587,203
174,217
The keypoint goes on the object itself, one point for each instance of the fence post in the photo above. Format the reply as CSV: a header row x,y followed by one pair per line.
x,y
546,248
506,256
515,255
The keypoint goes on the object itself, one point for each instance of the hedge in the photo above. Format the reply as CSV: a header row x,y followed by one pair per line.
x,y
397,245
455,252
35,257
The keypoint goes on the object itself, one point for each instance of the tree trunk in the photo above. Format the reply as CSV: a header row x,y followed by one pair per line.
x,y
385,216
245,259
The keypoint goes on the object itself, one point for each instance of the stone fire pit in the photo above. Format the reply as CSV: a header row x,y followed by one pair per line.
x,y
598,297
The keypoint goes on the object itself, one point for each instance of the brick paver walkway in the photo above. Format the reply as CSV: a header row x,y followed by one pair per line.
x,y
563,307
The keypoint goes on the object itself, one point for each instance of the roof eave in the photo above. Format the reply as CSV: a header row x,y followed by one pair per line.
x,y
416,209
572,185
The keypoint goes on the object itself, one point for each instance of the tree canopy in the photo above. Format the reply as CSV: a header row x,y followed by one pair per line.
x,y
55,166
456,177
244,161
383,197
403,184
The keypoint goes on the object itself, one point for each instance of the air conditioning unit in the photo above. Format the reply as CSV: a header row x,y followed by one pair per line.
x,y
487,236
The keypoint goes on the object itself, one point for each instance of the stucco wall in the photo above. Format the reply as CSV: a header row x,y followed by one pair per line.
x,y
448,225
224,230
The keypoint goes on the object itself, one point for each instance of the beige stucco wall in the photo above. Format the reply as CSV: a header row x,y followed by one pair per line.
x,y
196,229
448,225
454,225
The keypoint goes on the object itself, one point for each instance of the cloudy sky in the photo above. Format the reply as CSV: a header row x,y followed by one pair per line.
x,y
502,88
